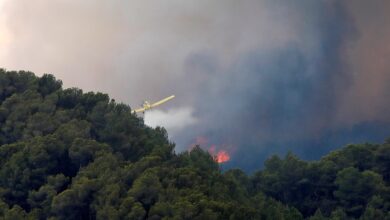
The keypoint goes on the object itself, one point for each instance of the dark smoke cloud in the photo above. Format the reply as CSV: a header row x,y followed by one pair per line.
x,y
254,77
288,97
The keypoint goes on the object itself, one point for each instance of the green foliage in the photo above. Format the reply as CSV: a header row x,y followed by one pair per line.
x,y
65,154
338,214
356,188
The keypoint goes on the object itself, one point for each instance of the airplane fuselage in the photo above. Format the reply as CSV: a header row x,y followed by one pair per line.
x,y
147,106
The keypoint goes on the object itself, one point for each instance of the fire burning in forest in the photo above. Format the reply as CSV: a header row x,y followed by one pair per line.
x,y
222,156
219,155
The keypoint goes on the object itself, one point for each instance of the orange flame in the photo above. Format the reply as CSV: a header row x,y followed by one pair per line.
x,y
222,156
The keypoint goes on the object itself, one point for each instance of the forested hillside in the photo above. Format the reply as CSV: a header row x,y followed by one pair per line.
x,y
65,154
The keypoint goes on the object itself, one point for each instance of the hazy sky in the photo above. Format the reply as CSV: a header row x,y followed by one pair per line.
x,y
253,77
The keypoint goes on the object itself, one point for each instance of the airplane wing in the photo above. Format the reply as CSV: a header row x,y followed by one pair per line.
x,y
139,110
162,101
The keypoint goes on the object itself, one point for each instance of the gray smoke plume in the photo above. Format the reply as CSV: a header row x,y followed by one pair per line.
x,y
251,77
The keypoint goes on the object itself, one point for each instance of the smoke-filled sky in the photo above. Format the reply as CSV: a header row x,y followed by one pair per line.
x,y
251,77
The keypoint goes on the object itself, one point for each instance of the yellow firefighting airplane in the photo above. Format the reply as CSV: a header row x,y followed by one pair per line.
x,y
147,106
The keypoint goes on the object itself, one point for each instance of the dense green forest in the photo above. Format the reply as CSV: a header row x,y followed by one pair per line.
x,y
65,154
